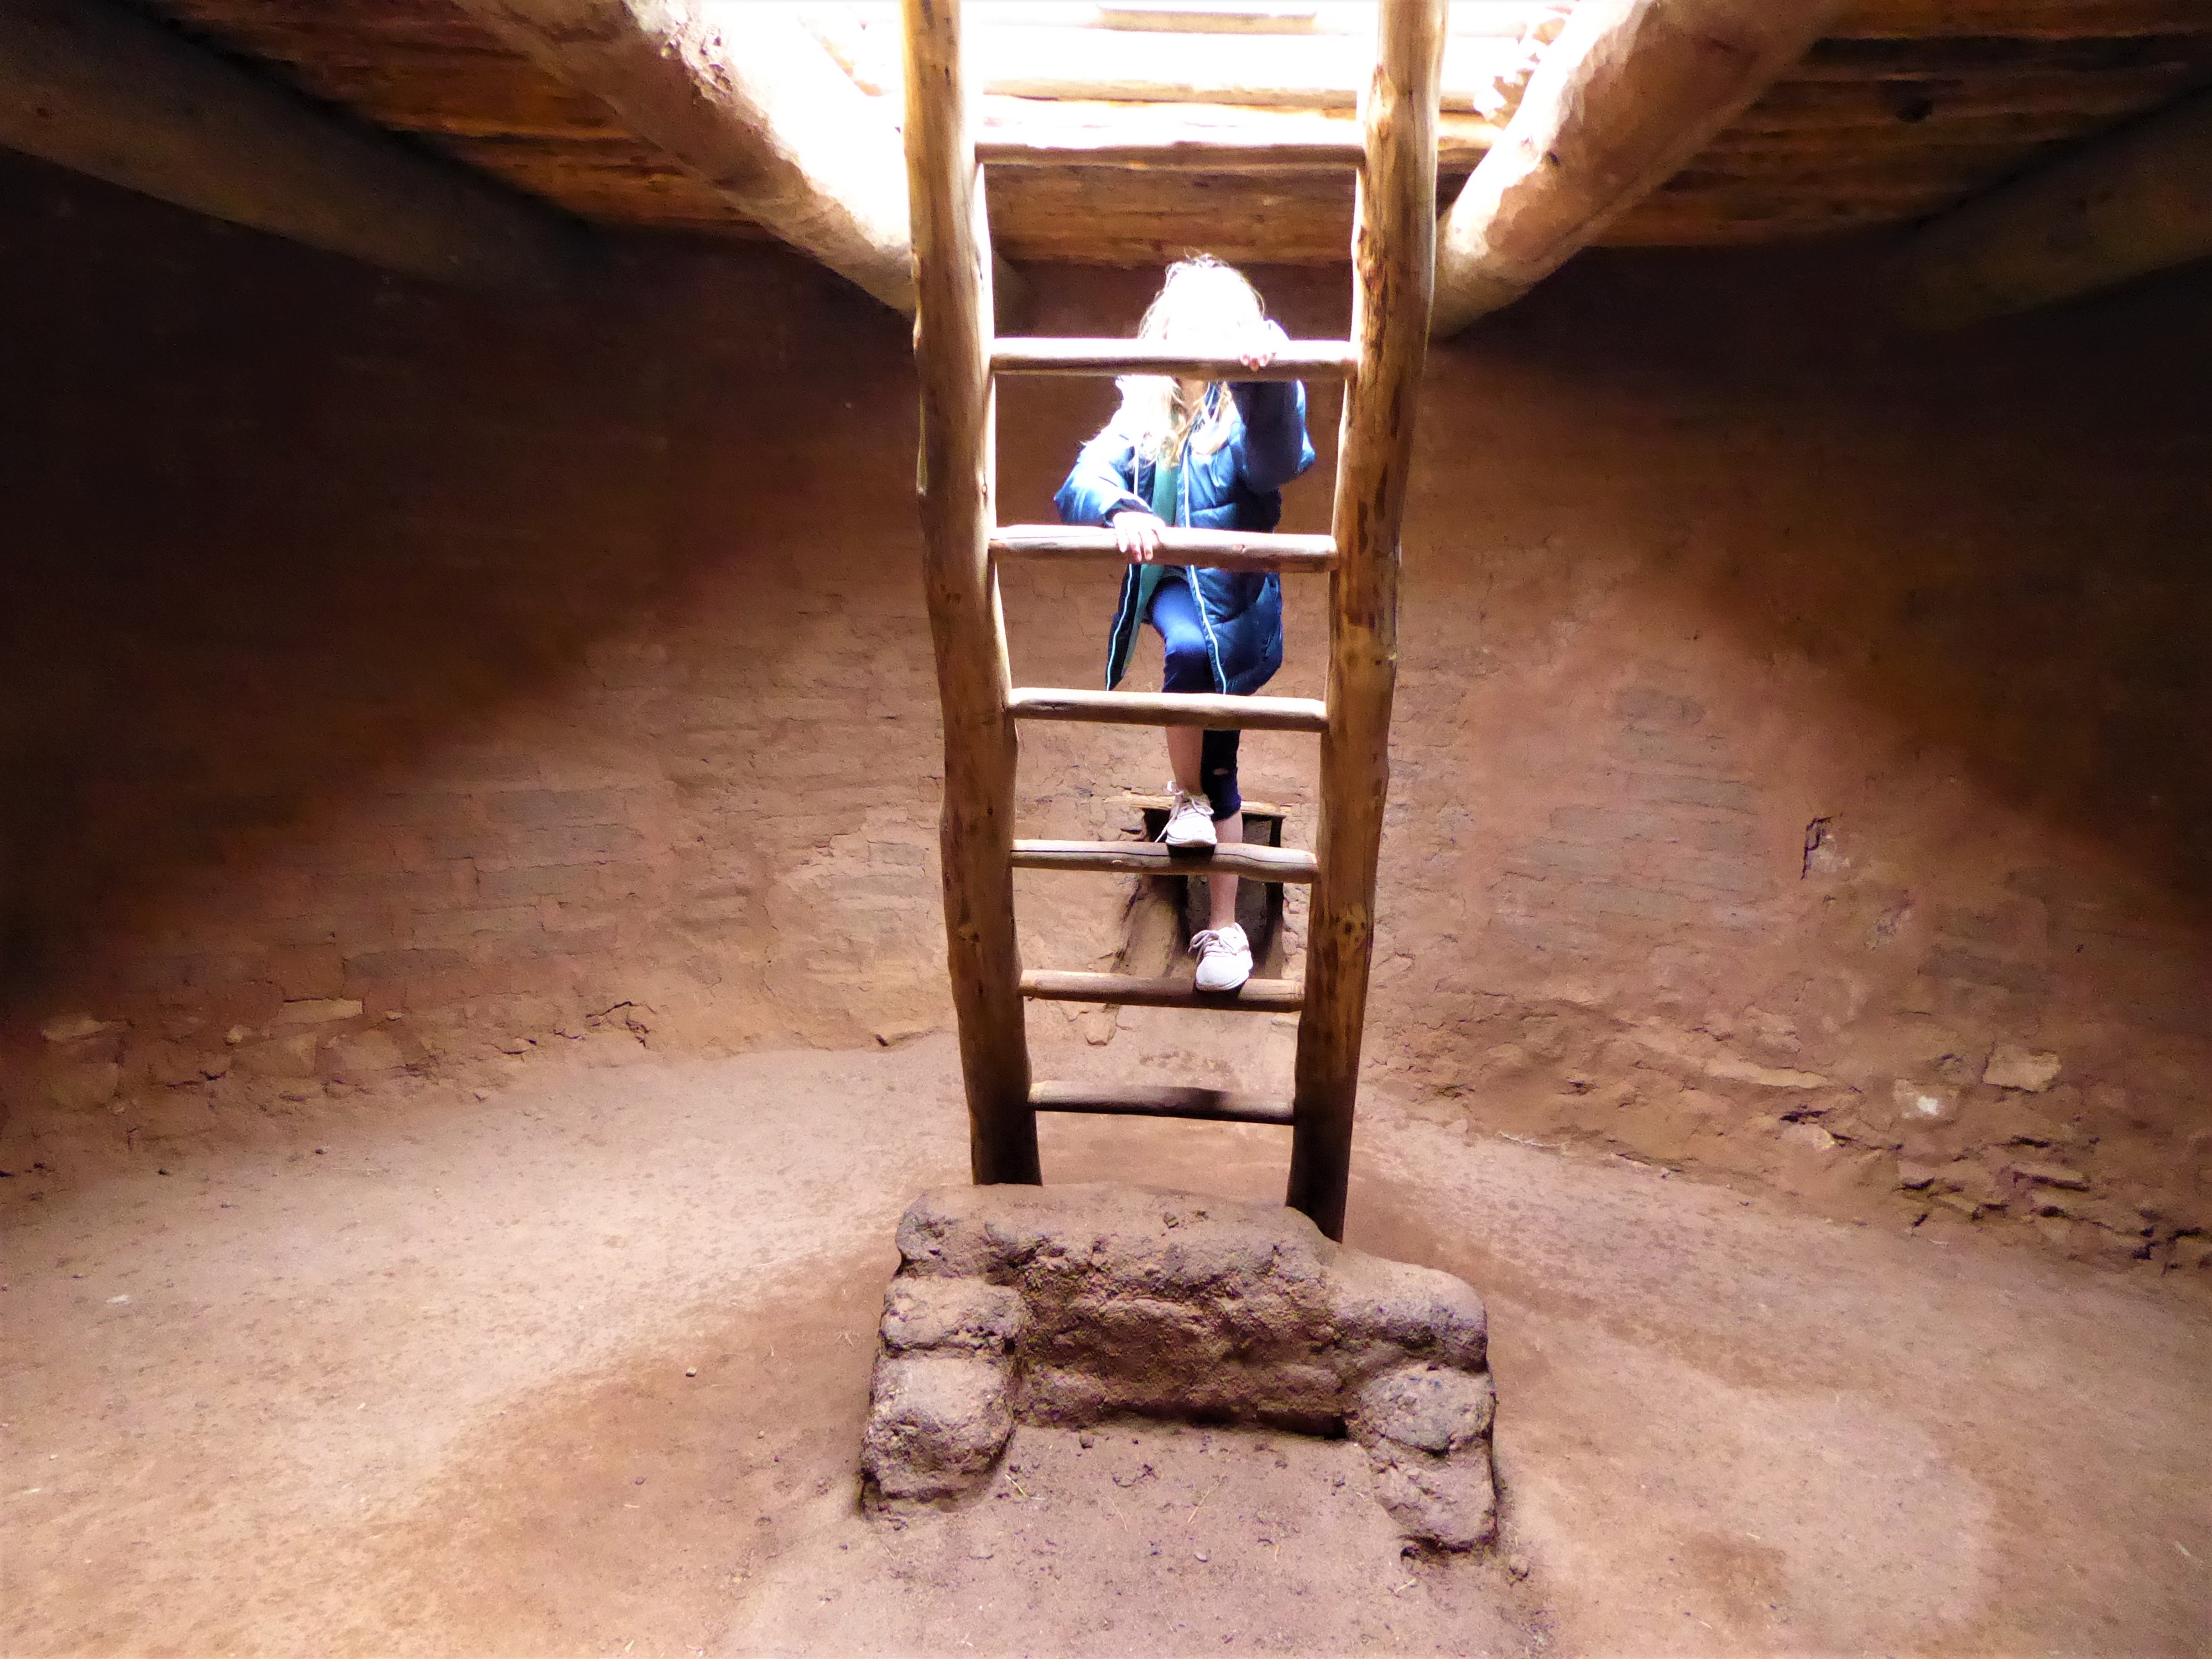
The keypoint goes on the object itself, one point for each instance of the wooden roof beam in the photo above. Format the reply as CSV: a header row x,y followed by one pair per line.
x,y
1629,91
761,112
2138,201
92,86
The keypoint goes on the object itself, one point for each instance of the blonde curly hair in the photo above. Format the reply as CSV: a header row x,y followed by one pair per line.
x,y
1202,302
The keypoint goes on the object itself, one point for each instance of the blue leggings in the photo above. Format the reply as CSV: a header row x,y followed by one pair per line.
x,y
1190,668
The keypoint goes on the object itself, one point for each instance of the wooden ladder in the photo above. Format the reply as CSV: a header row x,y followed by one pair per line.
x,y
1393,254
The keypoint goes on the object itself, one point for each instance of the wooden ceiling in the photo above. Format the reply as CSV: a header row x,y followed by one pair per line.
x,y
1906,107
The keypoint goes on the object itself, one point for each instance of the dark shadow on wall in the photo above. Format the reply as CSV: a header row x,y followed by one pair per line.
x,y
276,526
1998,540
276,523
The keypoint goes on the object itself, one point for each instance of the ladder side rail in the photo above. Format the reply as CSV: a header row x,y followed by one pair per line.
x,y
952,349
1393,266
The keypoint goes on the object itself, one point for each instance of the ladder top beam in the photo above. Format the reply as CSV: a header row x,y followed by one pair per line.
x,y
1294,360
1170,708
1219,549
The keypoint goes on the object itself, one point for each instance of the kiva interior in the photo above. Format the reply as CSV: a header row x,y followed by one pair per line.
x,y
1124,829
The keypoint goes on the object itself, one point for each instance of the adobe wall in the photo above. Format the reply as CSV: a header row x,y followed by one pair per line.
x,y
1791,717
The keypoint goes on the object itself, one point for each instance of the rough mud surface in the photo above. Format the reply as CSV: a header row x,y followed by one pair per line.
x,y
1799,772
582,1369
1074,1305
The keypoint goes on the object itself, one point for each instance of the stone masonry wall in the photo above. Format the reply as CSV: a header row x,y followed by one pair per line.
x,y
1798,774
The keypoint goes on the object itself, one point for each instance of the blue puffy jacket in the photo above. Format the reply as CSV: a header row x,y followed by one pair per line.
x,y
1238,485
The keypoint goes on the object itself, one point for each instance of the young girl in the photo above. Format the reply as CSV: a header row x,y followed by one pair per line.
x,y
1201,455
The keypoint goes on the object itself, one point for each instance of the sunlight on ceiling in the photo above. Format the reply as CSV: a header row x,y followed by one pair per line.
x,y
1293,55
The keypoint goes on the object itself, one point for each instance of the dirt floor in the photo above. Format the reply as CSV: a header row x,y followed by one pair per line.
x,y
579,1368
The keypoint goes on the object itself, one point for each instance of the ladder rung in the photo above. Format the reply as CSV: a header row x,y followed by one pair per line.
x,y
1149,1100
1170,708
1252,809
1152,858
1294,360
1219,550
1259,996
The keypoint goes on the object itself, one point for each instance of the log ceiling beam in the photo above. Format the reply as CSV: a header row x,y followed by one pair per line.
x,y
1629,91
95,87
760,111
2138,201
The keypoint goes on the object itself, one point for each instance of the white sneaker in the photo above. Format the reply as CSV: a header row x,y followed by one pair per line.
x,y
1225,957
1190,822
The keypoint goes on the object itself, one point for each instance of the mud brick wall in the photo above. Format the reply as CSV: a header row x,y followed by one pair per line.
x,y
1799,771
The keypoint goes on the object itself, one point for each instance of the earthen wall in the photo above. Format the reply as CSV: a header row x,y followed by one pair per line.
x,y
1799,774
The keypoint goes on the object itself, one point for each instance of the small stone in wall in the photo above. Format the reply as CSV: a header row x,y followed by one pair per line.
x,y
1914,1101
1431,1409
2012,1066
1823,853
78,1088
1448,1501
280,1057
75,1028
176,1064
950,1313
359,1059
1810,1136
2052,1174
318,1011
937,1423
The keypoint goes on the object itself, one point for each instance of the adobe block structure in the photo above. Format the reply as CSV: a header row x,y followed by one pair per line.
x,y
1071,1306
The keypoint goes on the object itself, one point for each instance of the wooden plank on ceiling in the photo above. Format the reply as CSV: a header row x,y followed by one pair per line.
x,y
2138,201
1351,18
1857,60
100,88
1306,72
1207,138
1117,216
1909,101
2045,19
1222,17
425,69
1945,127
